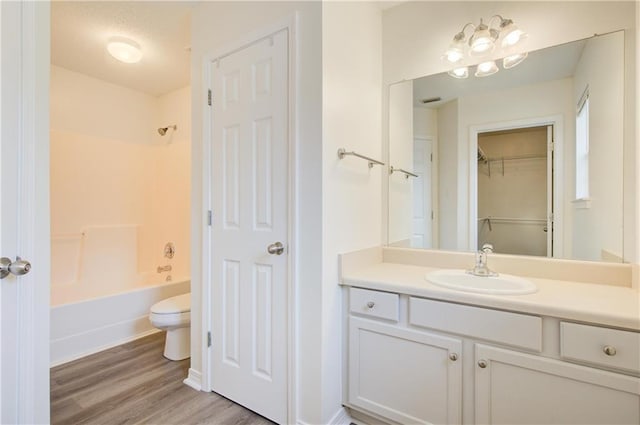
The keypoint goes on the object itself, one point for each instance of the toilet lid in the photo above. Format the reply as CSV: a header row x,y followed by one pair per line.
x,y
179,304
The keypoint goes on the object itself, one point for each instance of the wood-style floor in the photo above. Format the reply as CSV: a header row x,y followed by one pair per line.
x,y
134,384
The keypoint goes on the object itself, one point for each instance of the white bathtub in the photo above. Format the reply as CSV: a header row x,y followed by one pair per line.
x,y
86,321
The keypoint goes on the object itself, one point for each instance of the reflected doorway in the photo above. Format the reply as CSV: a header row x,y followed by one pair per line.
x,y
515,190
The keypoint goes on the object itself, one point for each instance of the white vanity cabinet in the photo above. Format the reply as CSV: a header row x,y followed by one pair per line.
x,y
400,374
518,388
409,359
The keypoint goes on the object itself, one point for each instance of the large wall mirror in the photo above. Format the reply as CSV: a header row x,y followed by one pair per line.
x,y
529,159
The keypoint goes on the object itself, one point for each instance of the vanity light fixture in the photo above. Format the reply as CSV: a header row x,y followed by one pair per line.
x,y
461,72
513,60
486,68
124,49
481,43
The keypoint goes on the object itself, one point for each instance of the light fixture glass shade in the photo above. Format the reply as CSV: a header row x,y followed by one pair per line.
x,y
125,50
461,72
486,68
511,34
482,41
513,60
454,53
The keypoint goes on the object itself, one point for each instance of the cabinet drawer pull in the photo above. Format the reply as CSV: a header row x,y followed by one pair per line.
x,y
370,304
482,363
453,357
609,350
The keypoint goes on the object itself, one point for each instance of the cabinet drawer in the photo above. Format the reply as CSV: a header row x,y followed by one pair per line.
x,y
600,346
518,330
382,305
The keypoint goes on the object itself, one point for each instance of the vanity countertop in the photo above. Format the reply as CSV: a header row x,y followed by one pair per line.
x,y
584,302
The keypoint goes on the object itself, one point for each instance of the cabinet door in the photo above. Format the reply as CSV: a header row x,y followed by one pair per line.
x,y
407,376
517,388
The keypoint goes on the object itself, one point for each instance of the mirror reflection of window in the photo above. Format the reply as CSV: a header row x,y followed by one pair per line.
x,y
582,148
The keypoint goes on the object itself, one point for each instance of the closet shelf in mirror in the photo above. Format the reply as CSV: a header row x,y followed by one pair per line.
x,y
342,153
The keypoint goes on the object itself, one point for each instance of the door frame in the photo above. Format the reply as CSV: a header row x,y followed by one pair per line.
x,y
558,174
291,25
25,36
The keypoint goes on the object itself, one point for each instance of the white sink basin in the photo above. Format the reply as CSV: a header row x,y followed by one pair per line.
x,y
503,284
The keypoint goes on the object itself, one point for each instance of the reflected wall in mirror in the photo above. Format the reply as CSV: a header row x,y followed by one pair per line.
x,y
529,159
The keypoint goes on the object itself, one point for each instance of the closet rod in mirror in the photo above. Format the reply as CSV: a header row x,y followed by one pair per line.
x,y
342,152
400,170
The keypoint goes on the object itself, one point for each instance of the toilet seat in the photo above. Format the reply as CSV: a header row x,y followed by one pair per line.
x,y
173,305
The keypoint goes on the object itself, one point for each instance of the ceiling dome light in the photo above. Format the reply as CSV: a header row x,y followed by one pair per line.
x,y
513,60
124,49
482,40
486,68
462,72
511,34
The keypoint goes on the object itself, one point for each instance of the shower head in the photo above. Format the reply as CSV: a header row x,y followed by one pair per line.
x,y
163,130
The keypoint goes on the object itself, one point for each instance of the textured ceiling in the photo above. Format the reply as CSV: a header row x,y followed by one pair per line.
x,y
80,31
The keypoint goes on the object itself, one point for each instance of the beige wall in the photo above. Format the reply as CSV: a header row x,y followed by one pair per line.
x,y
401,156
599,227
351,116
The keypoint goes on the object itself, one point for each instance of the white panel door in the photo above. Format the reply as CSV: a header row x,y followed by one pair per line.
x,y
249,199
24,212
422,226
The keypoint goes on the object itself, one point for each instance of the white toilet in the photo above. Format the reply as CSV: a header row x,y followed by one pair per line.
x,y
174,316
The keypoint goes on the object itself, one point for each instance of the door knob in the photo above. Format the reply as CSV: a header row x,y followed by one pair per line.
x,y
17,268
276,248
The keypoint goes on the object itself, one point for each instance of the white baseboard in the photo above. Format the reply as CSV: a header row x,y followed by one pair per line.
x,y
194,379
341,417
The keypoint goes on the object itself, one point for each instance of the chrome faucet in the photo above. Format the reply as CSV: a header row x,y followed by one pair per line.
x,y
166,268
481,268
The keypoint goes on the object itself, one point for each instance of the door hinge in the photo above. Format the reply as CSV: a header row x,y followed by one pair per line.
x,y
209,339
209,97
431,214
431,157
209,217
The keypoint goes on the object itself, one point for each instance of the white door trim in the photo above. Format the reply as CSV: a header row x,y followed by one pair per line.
x,y
291,25
558,180
25,70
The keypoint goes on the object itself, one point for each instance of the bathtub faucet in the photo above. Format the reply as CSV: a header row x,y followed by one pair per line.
x,y
166,268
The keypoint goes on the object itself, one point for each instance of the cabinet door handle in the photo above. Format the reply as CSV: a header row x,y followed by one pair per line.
x,y
482,363
609,350
370,304
453,357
